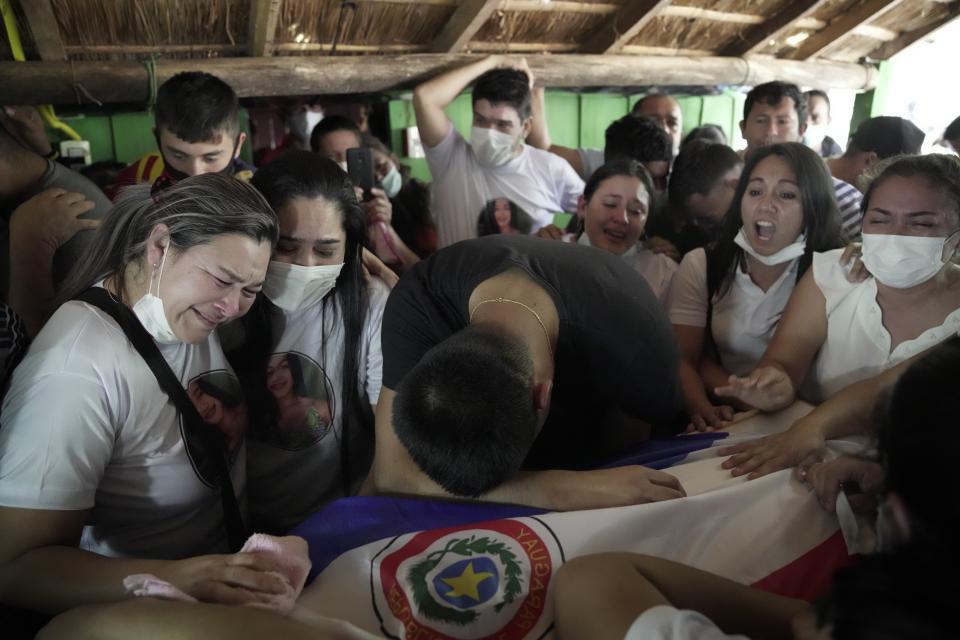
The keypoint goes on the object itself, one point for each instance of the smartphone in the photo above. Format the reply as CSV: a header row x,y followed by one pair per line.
x,y
360,169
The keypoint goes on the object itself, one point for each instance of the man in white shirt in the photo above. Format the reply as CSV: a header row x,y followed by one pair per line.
x,y
495,163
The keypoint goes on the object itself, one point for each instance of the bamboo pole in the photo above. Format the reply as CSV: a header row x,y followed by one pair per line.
x,y
127,81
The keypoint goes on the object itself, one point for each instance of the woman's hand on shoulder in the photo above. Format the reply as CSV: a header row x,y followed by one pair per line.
x,y
658,244
851,256
550,232
50,218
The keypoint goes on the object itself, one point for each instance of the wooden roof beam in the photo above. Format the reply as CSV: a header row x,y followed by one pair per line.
x,y
842,26
773,28
263,27
128,80
465,22
623,26
46,32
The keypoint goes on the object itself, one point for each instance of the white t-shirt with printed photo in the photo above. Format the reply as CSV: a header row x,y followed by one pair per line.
x,y
539,182
293,459
85,425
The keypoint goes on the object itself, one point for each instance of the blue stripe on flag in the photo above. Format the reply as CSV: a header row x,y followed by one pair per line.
x,y
352,522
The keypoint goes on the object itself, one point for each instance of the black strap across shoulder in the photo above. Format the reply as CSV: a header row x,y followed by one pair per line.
x,y
211,440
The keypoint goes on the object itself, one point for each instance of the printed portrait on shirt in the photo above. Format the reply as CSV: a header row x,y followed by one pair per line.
x,y
219,400
299,402
502,215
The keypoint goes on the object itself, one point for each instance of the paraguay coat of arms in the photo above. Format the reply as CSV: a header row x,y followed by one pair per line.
x,y
487,580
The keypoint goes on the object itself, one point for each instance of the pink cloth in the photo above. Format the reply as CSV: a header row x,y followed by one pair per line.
x,y
290,554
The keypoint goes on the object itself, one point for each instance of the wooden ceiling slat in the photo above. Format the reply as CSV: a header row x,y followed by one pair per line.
x,y
46,32
263,26
621,28
842,26
773,28
463,25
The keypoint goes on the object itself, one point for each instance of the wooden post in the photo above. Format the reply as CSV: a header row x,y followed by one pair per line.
x,y
623,26
468,18
46,32
263,27
773,28
126,81
841,26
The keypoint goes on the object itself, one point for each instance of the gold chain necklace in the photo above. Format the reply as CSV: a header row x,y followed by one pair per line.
x,y
527,307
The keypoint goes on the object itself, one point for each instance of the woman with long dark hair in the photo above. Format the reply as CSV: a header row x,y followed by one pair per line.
x,y
726,300
838,336
319,313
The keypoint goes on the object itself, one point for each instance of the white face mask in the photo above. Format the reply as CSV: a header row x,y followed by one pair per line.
x,y
391,183
902,262
292,287
149,310
492,147
788,253
342,165
814,136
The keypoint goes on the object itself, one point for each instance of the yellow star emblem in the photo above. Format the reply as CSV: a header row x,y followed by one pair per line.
x,y
466,583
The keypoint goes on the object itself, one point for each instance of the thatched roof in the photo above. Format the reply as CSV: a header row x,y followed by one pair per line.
x,y
838,31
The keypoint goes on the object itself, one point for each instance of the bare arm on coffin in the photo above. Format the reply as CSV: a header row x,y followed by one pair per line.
x,y
599,597
849,412
395,472
148,619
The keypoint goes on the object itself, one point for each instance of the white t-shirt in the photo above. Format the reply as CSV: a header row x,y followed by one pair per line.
x,y
858,345
664,622
293,457
656,268
539,182
743,319
591,159
86,426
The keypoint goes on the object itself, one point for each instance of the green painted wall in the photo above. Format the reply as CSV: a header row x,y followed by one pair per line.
x,y
575,120
126,136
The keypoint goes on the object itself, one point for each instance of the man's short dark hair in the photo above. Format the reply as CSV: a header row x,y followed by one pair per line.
x,y
639,138
465,412
197,107
330,124
699,165
817,93
773,93
505,86
887,136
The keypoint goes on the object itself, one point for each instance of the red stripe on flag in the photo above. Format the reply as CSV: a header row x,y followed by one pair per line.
x,y
811,575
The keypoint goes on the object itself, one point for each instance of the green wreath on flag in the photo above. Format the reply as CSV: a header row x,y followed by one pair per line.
x,y
466,547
